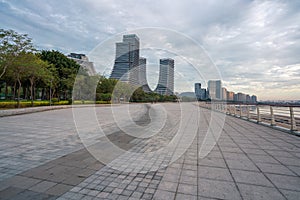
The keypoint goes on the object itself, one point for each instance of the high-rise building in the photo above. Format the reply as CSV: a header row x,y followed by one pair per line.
x,y
241,97
230,96
224,93
215,89
127,58
84,62
248,98
166,77
200,92
142,77
254,99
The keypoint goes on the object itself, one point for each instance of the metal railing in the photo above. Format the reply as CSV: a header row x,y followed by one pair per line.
x,y
287,117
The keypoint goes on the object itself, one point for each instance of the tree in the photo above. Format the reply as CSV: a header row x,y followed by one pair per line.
x,y
65,69
36,70
106,85
11,45
138,95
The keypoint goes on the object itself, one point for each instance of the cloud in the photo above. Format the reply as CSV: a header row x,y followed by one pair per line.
x,y
254,44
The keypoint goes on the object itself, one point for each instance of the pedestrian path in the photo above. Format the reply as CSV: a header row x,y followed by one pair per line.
x,y
41,157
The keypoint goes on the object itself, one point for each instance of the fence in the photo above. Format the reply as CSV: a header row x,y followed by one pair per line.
x,y
287,117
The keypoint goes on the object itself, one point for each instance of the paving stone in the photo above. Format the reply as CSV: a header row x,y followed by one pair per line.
x,y
259,192
23,182
285,182
42,186
250,177
275,168
185,197
242,164
291,195
188,180
164,195
187,189
213,162
58,189
214,173
168,186
10,192
218,189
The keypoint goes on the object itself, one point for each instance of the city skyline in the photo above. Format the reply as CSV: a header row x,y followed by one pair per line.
x,y
254,44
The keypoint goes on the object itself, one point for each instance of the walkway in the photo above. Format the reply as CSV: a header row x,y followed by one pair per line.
x,y
42,157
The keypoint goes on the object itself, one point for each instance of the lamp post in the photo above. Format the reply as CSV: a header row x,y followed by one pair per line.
x,y
50,92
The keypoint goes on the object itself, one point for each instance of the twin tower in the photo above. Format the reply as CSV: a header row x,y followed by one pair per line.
x,y
130,67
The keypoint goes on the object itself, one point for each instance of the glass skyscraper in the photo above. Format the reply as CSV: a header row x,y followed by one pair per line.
x,y
166,77
127,58
215,89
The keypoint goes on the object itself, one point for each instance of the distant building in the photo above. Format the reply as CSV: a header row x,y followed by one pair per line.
x,y
166,77
200,92
141,75
215,89
127,58
84,62
224,93
241,97
235,98
253,99
248,98
230,96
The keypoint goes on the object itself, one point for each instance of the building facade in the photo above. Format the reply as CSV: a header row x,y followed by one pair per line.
x,y
230,96
142,75
200,92
127,58
166,77
215,89
84,62
224,93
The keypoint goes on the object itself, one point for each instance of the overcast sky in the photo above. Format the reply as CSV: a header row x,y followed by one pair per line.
x,y
255,45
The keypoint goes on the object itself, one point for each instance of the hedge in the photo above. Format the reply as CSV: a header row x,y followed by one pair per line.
x,y
24,104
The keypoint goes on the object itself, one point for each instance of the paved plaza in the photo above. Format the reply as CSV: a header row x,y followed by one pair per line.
x,y
196,154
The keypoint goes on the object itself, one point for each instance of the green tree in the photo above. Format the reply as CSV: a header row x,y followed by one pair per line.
x,y
138,95
11,45
65,70
37,69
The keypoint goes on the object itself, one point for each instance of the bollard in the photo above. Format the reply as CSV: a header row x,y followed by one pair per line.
x,y
241,110
293,122
234,110
272,116
258,115
248,112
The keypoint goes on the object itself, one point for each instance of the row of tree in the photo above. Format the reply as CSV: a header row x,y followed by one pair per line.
x,y
23,69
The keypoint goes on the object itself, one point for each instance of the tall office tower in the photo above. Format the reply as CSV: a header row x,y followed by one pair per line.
x,y
142,77
241,97
166,77
254,99
198,90
127,58
224,93
230,96
215,89
248,98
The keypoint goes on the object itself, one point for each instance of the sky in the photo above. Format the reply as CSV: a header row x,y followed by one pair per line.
x,y
252,46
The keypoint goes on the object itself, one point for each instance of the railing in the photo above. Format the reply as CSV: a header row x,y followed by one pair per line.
x,y
287,117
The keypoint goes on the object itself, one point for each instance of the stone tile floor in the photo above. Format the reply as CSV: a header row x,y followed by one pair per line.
x,y
41,157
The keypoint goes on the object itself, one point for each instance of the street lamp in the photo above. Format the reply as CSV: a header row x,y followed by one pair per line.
x,y
50,92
